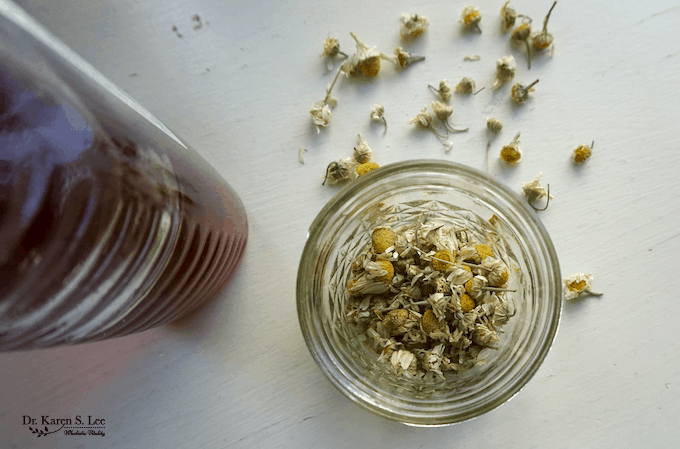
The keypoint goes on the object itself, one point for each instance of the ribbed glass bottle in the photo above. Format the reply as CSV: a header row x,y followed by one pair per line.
x,y
109,224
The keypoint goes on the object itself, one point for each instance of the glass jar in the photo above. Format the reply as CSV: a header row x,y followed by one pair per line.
x,y
109,223
403,193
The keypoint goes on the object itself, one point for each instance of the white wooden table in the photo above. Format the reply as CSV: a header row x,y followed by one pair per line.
x,y
238,88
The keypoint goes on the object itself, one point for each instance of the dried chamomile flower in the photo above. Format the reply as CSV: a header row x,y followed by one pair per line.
x,y
579,284
471,16
339,171
331,50
484,251
533,190
366,59
459,275
511,153
442,260
523,34
386,268
433,359
321,110
467,303
467,86
364,168
483,336
321,114
443,112
331,47
444,90
430,322
582,153
503,312
542,39
520,92
505,70
404,363
395,320
508,16
494,125
497,274
378,114
362,152
404,59
424,120
383,237
475,287
413,25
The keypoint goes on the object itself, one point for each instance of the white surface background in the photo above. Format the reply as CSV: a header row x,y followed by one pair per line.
x,y
238,89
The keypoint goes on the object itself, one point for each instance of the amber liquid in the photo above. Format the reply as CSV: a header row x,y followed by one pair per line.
x,y
108,225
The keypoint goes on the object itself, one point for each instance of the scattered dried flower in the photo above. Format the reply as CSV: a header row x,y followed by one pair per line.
x,y
444,91
543,39
362,152
494,125
472,58
331,50
443,112
533,190
404,59
338,171
366,59
467,86
413,25
471,16
321,114
364,168
511,153
508,16
520,92
301,154
424,120
321,110
582,153
378,114
579,284
505,70
523,34
331,47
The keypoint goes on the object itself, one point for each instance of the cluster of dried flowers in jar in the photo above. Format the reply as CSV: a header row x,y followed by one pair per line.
x,y
428,298
352,167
